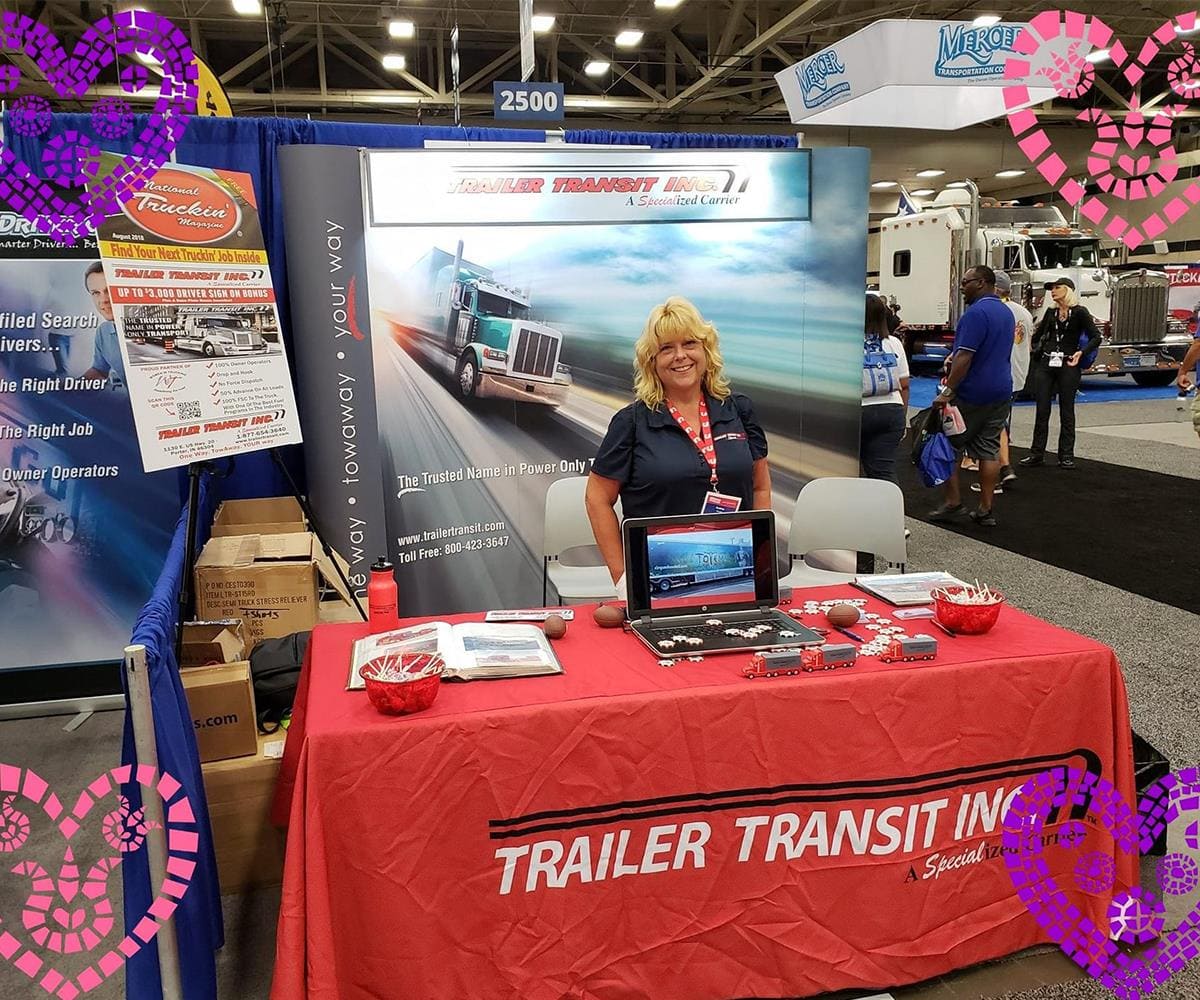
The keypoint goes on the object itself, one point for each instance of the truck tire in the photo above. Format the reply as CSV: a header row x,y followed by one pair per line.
x,y
466,376
1149,380
209,350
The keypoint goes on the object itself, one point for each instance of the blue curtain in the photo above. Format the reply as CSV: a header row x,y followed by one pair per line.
x,y
198,922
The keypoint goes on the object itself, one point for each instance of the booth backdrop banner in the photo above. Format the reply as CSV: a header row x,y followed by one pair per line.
x,y
196,319
490,386
83,530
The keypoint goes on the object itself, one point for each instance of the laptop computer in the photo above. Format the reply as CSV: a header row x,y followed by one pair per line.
x,y
707,583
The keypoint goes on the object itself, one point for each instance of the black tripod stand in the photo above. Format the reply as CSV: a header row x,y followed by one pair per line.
x,y
187,594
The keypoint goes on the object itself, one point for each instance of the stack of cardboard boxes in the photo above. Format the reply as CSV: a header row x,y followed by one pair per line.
x,y
261,575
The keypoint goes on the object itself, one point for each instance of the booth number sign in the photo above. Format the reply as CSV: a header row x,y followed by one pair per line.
x,y
531,101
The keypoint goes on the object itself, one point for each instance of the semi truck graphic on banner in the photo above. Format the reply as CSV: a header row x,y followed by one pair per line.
x,y
463,321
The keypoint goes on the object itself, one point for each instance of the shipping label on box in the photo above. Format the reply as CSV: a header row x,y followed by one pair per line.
x,y
268,516
206,643
271,582
221,701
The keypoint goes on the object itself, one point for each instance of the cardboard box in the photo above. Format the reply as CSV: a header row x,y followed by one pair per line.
x,y
206,643
249,849
268,516
271,582
221,700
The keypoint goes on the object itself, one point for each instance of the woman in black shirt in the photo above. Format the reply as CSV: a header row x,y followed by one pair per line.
x,y
1066,334
687,435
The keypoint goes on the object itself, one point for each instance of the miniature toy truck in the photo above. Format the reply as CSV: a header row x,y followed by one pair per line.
x,y
785,662
906,648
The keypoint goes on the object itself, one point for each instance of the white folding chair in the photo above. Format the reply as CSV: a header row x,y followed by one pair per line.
x,y
862,515
567,527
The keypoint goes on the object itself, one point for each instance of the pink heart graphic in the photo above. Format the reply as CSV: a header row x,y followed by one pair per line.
x,y
1135,915
67,931
1052,46
72,158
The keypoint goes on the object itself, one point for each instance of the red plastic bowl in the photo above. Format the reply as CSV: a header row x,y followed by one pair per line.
x,y
969,619
402,683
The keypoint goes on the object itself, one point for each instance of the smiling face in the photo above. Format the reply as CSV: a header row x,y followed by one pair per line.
x,y
97,286
680,365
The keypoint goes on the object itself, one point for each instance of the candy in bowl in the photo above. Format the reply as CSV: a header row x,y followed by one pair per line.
x,y
968,610
401,683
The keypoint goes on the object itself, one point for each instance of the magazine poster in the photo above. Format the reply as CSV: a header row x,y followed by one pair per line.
x,y
83,530
196,327
464,327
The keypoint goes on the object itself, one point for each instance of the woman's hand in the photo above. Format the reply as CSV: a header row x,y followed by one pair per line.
x,y
1075,358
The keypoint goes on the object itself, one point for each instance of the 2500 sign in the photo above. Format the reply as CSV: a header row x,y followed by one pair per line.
x,y
539,101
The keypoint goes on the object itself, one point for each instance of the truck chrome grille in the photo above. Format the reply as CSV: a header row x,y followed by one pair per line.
x,y
243,339
1139,308
536,354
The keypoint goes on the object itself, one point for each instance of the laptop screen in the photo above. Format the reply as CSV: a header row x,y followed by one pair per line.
x,y
706,562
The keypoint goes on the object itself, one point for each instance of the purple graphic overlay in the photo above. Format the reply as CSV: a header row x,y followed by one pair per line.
x,y
70,162
1133,916
69,913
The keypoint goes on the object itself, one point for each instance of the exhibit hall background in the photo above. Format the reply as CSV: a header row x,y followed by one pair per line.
x,y
463,486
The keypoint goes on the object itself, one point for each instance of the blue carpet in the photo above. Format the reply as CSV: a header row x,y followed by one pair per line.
x,y
1101,389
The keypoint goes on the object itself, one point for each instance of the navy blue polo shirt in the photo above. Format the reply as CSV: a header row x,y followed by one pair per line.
x,y
661,471
987,327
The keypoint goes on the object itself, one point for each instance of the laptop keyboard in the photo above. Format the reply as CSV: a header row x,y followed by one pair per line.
x,y
764,626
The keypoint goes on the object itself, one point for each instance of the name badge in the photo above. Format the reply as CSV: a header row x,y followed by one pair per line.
x,y
1056,359
720,503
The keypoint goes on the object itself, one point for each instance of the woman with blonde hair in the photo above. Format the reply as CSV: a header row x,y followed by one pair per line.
x,y
687,445
1065,336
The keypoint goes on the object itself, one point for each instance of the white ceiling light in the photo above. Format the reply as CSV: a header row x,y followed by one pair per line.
x,y
148,59
247,8
986,20
1179,30
628,38
398,28
923,193
394,61
884,184
667,4
1010,173
957,184
597,67
930,173
1097,56
543,23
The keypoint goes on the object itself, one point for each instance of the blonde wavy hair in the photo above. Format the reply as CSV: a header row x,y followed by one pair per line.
x,y
676,319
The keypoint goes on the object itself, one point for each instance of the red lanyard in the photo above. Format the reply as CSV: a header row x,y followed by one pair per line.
x,y
703,441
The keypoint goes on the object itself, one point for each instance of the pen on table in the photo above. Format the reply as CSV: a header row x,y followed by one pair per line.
x,y
953,635
847,632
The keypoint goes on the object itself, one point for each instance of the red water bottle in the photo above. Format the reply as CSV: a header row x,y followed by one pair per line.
x,y
381,597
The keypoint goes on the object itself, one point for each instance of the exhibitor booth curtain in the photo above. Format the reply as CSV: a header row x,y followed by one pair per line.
x,y
198,923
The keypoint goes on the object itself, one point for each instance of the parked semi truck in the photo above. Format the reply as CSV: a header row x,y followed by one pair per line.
x,y
923,257
462,320
218,334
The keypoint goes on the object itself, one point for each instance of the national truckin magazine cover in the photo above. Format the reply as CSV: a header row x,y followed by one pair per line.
x,y
83,530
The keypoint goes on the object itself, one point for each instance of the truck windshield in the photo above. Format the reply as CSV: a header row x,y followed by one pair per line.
x,y
1046,254
495,305
224,321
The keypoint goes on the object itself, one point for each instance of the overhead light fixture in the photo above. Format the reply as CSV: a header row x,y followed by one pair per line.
x,y
1097,56
986,20
930,173
1010,173
1180,30
957,184
667,4
148,59
247,8
399,28
394,61
923,193
543,23
884,184
628,38
597,67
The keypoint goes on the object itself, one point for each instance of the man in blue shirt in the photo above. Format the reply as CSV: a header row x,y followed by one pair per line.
x,y
980,385
107,362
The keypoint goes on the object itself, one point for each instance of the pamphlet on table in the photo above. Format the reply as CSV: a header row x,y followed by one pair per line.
x,y
902,589
470,650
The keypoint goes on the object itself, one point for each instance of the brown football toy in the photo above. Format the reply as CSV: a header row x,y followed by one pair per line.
x,y
609,616
555,626
842,615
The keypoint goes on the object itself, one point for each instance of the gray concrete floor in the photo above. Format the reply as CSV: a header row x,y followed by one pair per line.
x,y
1153,641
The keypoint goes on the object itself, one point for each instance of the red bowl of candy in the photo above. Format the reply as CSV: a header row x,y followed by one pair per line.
x,y
401,683
969,610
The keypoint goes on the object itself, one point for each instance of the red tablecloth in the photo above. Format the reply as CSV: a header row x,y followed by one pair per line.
x,y
627,830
